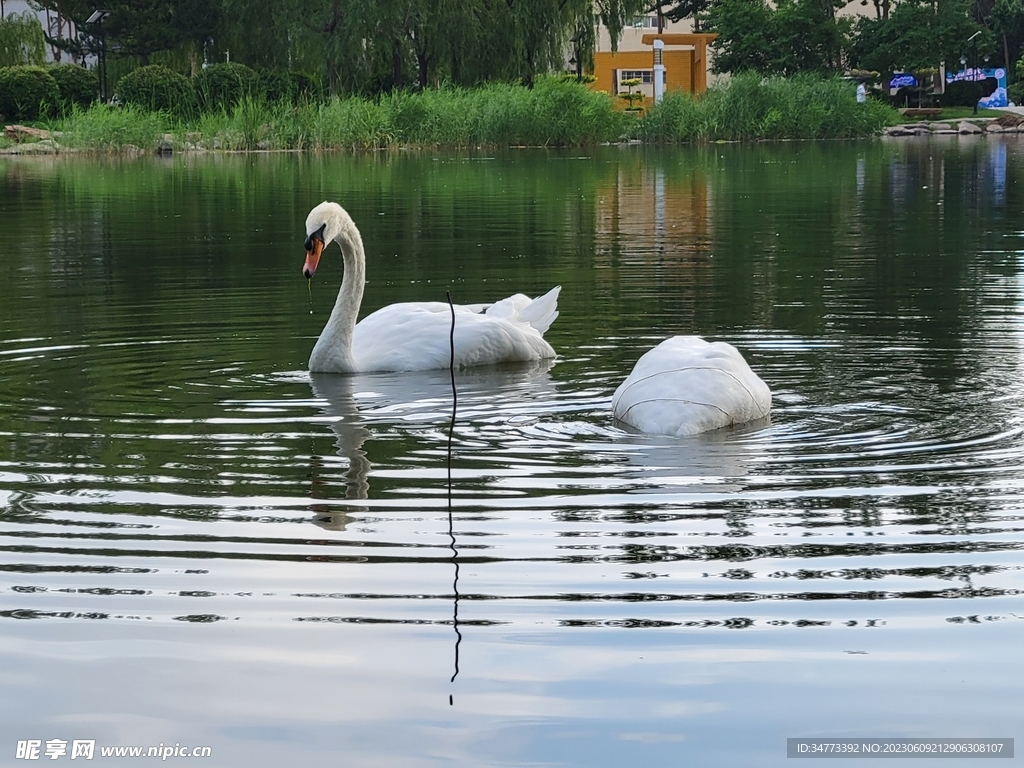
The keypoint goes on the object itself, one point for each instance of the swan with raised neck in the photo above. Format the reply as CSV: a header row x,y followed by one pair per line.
x,y
414,335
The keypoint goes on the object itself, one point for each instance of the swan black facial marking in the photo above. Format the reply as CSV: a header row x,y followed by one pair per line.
x,y
318,235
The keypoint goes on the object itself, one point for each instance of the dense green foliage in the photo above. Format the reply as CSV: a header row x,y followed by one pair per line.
x,y
101,128
961,94
155,88
782,38
554,113
222,86
26,93
21,40
276,85
747,107
1015,92
287,49
917,34
77,85
792,36
355,46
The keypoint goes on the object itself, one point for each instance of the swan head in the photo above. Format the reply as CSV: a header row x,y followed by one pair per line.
x,y
323,224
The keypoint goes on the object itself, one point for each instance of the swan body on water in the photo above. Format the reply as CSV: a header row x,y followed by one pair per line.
x,y
414,336
686,385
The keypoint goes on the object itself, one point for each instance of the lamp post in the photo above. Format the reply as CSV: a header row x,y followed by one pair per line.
x,y
97,18
576,61
659,70
974,74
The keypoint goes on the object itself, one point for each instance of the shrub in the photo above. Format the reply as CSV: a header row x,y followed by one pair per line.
x,y
960,94
27,93
77,85
274,85
157,88
1015,92
305,87
222,86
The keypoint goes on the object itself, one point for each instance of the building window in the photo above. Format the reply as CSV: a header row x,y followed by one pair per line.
x,y
645,76
645,22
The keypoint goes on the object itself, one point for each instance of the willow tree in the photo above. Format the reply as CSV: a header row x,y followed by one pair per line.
x,y
21,40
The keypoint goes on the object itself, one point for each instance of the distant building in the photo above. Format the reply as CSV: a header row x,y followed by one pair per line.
x,y
691,72
685,60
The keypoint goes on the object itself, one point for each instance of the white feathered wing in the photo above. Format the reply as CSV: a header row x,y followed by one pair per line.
x,y
686,385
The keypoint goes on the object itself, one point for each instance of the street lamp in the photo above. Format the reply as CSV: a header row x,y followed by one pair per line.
x,y
974,75
97,17
577,60
659,70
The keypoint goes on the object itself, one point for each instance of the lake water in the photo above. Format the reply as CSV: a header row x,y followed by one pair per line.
x,y
200,544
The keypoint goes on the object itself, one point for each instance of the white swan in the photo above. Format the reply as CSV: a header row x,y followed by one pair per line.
x,y
685,386
415,336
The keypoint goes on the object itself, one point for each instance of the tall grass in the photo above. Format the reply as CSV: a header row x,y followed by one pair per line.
x,y
749,107
100,128
554,113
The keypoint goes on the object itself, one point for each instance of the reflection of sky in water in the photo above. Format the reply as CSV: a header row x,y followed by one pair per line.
x,y
201,544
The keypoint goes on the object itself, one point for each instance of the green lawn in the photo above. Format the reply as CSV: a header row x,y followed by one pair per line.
x,y
958,113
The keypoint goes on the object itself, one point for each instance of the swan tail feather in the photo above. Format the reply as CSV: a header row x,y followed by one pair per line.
x,y
542,311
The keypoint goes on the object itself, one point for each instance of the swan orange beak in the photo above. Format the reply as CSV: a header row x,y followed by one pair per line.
x,y
316,247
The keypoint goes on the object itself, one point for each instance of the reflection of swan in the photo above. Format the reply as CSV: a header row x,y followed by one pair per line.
x,y
712,462
352,433
686,385
414,336
358,403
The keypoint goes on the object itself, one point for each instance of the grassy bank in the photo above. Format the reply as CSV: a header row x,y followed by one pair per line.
x,y
749,107
554,113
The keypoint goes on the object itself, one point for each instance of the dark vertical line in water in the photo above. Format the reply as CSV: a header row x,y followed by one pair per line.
x,y
451,524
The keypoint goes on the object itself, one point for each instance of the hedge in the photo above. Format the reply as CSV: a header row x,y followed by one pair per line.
x,y
27,93
222,86
77,85
157,88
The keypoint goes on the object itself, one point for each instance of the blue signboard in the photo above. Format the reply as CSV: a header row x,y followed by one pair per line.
x,y
902,80
998,97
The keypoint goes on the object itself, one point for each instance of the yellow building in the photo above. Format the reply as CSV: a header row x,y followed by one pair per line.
x,y
685,59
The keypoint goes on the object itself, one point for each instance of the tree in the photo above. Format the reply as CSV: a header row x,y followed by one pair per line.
x,y
744,35
917,35
136,27
21,40
688,9
1006,21
794,36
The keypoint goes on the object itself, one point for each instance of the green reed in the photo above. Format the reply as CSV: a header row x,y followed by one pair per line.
x,y
749,107
101,128
554,113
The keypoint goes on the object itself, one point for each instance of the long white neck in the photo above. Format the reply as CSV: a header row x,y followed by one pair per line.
x,y
333,350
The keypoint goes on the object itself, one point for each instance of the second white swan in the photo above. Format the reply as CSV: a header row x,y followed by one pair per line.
x,y
685,386
414,336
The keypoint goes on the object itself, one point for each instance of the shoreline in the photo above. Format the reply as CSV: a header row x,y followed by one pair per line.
x,y
49,148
